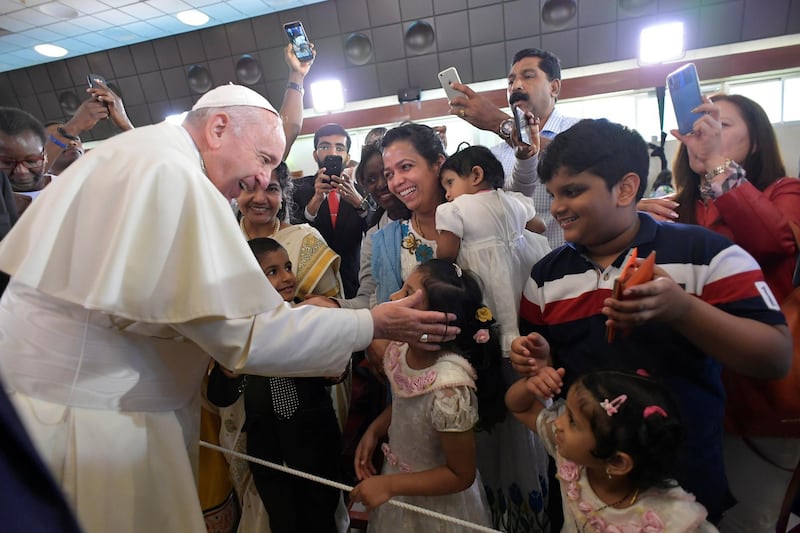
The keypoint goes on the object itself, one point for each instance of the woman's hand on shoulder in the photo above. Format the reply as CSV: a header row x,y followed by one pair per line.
x,y
661,209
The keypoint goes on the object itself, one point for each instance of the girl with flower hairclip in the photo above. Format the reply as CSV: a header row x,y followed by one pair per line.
x,y
438,398
615,443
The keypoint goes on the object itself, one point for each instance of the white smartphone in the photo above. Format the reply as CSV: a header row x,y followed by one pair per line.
x,y
446,77
684,90
297,35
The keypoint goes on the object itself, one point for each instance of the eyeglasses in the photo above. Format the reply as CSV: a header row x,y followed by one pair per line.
x,y
9,164
339,148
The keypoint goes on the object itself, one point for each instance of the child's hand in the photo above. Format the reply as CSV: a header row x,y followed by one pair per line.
x,y
547,383
362,461
529,354
372,492
660,299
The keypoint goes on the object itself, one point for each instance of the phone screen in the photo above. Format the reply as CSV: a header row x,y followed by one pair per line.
x,y
297,35
523,130
92,78
684,91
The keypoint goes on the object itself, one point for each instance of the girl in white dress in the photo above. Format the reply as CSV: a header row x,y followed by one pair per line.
x,y
430,457
615,442
485,227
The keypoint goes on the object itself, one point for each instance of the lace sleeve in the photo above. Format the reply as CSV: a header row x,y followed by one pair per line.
x,y
454,409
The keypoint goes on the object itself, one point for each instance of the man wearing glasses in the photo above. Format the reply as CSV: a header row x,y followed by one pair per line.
x,y
331,202
22,156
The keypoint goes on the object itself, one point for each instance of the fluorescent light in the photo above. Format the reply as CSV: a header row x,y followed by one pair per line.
x,y
192,17
327,95
50,50
660,43
177,118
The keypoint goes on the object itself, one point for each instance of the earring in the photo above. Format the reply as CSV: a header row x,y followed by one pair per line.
x,y
608,473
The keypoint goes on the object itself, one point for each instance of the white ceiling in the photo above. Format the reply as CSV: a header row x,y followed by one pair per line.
x,y
106,24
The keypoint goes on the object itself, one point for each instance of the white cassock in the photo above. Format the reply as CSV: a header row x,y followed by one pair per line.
x,y
127,273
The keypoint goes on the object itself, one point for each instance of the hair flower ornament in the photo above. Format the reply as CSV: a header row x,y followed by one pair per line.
x,y
481,336
612,407
483,314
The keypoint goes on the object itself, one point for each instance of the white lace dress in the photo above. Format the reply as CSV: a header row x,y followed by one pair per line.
x,y
425,402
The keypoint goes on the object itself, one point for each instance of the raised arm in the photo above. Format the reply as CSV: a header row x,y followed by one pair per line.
x,y
524,398
292,107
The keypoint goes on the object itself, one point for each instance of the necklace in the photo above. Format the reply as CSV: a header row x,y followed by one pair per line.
x,y
419,227
633,494
276,226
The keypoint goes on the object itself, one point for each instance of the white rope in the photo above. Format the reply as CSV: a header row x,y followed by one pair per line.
x,y
348,488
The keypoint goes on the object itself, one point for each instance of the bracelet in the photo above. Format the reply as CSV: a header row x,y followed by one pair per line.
x,y
716,171
67,135
296,86
57,142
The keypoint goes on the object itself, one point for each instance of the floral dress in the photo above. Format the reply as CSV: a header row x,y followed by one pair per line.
x,y
654,511
439,398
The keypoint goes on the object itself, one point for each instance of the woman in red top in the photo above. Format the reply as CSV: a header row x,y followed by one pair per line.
x,y
730,178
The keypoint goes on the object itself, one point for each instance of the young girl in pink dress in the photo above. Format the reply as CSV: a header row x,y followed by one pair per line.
x,y
437,400
615,443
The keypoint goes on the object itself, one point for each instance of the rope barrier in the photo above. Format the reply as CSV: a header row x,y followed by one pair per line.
x,y
348,488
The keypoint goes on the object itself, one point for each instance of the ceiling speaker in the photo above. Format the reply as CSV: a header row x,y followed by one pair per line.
x,y
248,71
199,79
358,49
558,12
69,102
419,37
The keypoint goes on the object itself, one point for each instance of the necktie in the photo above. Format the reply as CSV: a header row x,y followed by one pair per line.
x,y
333,204
284,397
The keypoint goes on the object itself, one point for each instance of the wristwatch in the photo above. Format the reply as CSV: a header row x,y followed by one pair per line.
x,y
364,205
506,128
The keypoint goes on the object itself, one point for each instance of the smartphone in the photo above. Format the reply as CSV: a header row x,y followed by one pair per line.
x,y
521,121
92,79
297,35
446,77
684,90
333,165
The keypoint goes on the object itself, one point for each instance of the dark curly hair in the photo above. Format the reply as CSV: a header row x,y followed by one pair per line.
x,y
451,290
652,441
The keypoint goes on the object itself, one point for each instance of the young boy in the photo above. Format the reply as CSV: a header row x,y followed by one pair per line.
x,y
707,306
289,420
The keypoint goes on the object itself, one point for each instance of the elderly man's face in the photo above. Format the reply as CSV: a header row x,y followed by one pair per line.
x,y
248,154
22,159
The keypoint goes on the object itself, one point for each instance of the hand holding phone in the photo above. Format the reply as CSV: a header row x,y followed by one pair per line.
x,y
521,123
684,91
447,77
333,165
92,79
299,39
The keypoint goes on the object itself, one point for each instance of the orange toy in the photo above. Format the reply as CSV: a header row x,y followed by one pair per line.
x,y
632,274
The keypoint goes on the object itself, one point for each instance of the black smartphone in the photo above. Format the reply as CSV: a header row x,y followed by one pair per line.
x,y
684,90
92,79
297,35
521,121
333,165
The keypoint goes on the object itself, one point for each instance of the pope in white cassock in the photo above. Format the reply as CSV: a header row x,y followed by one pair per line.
x,y
127,273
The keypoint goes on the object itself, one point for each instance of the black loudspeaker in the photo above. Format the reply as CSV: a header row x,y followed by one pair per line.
x,y
409,94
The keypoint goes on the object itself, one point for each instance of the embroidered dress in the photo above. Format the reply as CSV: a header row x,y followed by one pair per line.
x,y
654,511
439,398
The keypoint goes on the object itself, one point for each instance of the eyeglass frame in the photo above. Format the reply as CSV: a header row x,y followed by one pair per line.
x,y
29,164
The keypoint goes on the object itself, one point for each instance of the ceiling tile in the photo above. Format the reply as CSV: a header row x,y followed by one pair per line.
x,y
144,57
387,43
160,110
269,32
273,63
760,23
139,114
59,74
51,110
638,11
392,76
117,18
222,71
515,45
451,31
672,5
167,53
89,23
628,48
169,24
169,6
40,78
241,38
20,82
521,18
423,70
31,104
153,87
478,3
479,31
361,83
100,63
597,12
191,48
717,22
141,11
793,25
131,90
215,42
383,12
353,15
330,56
78,70
448,6
322,20
597,44
461,60
85,6
485,65
10,23
563,44
274,93
175,81
416,9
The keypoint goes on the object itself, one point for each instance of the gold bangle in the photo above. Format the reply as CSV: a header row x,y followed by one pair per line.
x,y
716,171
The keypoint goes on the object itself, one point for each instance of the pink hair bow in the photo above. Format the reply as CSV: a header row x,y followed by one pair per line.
x,y
612,407
654,409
